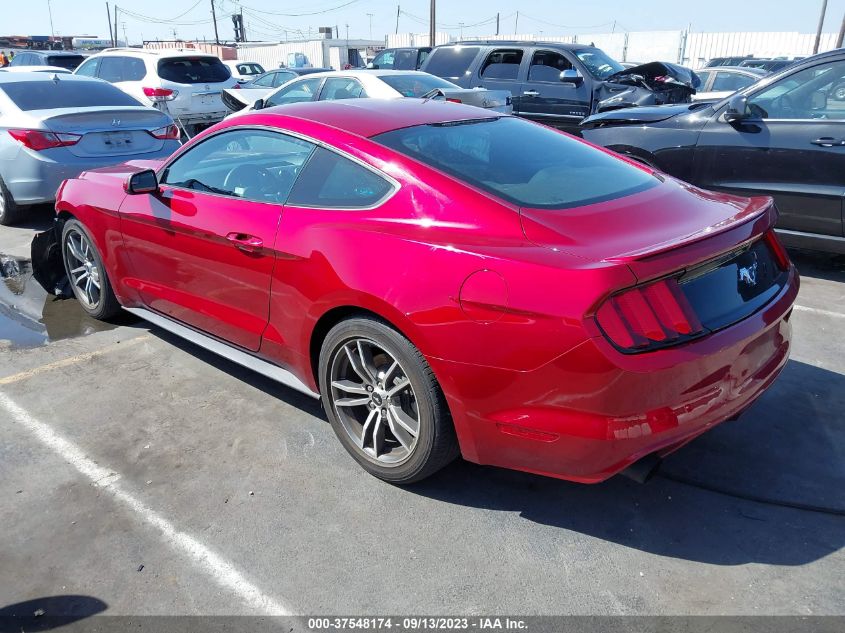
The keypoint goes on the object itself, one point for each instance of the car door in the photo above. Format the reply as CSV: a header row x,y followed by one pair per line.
x,y
295,92
790,146
547,99
201,248
502,69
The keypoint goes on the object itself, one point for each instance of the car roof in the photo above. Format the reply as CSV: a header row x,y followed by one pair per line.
x,y
748,70
161,53
8,78
370,117
565,45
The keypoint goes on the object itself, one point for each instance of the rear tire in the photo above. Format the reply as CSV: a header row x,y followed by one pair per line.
x,y
86,274
10,212
384,403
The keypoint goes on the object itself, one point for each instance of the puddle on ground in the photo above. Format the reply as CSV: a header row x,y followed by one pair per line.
x,y
30,316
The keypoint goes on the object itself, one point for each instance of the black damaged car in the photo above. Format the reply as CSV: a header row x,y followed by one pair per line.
x,y
782,136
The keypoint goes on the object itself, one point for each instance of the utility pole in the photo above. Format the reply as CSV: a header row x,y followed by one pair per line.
x,y
115,25
243,28
841,33
497,23
516,24
370,15
398,11
214,18
431,25
461,26
819,30
108,13
52,30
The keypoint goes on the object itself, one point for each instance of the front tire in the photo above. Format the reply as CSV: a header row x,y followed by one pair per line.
x,y
86,274
384,403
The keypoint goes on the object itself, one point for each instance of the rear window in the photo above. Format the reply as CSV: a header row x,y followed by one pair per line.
x,y
526,164
65,61
193,70
51,94
416,85
450,61
250,69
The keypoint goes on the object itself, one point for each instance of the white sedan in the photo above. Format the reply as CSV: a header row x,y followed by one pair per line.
x,y
374,84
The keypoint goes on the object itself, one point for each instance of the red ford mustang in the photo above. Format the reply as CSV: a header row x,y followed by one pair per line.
x,y
448,280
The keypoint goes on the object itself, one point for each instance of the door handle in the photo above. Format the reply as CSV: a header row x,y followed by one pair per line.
x,y
531,93
828,141
245,242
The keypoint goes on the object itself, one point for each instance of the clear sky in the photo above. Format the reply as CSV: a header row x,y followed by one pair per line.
x,y
268,19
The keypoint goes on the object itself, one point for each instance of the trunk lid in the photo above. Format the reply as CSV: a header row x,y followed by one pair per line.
x,y
108,131
498,100
655,232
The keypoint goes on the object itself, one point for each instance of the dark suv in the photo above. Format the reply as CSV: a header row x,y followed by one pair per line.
x,y
400,58
558,84
59,59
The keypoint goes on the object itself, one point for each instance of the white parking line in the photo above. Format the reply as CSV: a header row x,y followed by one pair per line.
x,y
218,568
837,315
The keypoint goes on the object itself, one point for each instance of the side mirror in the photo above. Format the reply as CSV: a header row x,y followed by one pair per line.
x,y
571,76
737,109
258,105
144,181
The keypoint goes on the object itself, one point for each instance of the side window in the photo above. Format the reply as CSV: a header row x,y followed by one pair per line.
x,y
704,76
266,81
384,60
405,60
726,81
817,92
422,56
451,62
111,69
255,165
89,68
341,88
297,92
547,66
330,181
502,64
282,78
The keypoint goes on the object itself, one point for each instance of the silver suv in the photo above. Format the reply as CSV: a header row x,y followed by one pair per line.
x,y
182,82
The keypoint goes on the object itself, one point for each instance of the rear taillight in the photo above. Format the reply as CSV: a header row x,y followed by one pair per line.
x,y
778,251
166,133
236,86
650,316
39,140
160,94
453,100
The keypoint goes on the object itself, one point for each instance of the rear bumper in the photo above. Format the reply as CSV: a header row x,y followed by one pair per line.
x,y
34,177
593,411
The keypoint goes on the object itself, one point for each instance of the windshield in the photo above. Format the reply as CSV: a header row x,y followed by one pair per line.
x,y
416,85
527,164
193,70
65,61
598,63
50,94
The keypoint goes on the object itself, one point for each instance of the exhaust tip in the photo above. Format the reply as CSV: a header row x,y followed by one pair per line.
x,y
643,469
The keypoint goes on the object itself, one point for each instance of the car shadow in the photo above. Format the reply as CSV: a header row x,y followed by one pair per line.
x,y
788,448
819,265
48,613
37,218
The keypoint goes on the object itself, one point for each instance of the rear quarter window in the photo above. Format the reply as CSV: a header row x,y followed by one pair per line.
x,y
330,181
451,62
193,70
50,94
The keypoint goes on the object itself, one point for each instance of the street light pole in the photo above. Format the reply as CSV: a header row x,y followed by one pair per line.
x,y
370,15
431,26
841,33
819,29
50,12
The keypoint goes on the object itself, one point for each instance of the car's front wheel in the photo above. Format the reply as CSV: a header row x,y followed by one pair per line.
x,y
10,213
384,403
86,273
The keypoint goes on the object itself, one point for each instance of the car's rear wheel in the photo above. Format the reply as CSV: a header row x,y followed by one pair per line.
x,y
10,213
86,273
384,403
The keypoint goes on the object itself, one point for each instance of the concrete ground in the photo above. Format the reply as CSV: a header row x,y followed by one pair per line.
x,y
141,475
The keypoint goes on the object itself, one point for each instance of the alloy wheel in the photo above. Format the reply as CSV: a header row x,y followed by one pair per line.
x,y
375,402
82,268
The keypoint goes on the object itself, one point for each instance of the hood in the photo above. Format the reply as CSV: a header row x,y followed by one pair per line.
x,y
657,75
665,217
641,114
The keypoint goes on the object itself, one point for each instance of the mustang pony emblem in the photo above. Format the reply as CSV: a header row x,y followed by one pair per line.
x,y
748,274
